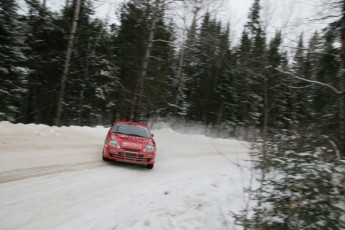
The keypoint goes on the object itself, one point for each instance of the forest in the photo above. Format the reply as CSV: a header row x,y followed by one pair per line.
x,y
71,68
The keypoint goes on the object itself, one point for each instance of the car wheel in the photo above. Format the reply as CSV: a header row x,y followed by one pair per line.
x,y
150,166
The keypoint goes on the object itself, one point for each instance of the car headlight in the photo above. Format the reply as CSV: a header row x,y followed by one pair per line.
x,y
114,142
149,147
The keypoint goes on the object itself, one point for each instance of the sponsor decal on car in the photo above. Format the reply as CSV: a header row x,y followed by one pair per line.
x,y
131,137
131,144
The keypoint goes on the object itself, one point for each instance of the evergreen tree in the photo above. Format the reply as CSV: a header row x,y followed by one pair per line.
x,y
90,91
251,69
160,70
225,86
300,191
104,82
45,57
13,72
297,164
279,90
212,51
130,50
143,31
180,83
326,102
241,84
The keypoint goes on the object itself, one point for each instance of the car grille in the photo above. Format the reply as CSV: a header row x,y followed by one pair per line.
x,y
132,150
130,156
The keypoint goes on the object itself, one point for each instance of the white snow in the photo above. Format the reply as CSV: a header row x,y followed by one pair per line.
x,y
54,178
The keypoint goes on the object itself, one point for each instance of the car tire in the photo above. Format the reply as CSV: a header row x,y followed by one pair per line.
x,y
105,159
150,166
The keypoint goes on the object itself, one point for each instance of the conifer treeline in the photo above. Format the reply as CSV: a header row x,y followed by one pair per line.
x,y
205,79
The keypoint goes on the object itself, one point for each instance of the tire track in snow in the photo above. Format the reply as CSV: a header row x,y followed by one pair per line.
x,y
27,173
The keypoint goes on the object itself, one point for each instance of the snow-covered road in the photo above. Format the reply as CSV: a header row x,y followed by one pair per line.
x,y
54,178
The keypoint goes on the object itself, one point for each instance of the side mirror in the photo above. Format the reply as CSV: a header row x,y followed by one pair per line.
x,y
152,135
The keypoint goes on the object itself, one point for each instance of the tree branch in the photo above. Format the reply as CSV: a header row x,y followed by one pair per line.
x,y
310,81
306,49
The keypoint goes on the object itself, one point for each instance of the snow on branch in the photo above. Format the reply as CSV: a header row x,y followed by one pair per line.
x,y
156,58
310,81
160,40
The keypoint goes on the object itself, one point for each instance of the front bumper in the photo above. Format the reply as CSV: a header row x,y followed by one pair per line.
x,y
129,155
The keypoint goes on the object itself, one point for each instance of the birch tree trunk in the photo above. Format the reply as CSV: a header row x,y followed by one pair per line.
x,y
67,62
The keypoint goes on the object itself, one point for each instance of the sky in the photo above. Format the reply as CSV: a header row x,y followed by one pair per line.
x,y
292,16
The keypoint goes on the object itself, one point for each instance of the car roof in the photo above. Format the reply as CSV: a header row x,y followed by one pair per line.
x,y
130,123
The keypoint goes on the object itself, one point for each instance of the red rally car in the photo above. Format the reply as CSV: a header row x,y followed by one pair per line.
x,y
131,142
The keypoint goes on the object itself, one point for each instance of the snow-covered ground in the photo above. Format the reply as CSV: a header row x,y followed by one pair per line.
x,y
54,178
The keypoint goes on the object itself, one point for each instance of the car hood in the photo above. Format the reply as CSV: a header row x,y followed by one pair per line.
x,y
132,142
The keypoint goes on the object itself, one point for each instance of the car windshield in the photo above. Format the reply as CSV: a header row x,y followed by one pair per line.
x,y
132,130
